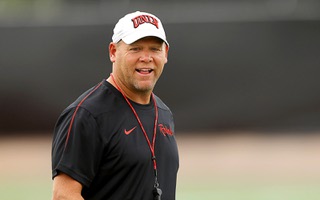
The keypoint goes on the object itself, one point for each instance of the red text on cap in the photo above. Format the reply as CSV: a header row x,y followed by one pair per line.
x,y
141,19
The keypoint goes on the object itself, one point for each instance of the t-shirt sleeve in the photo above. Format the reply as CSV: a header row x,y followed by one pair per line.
x,y
77,146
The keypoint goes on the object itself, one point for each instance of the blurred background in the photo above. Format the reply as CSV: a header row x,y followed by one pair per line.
x,y
232,64
242,81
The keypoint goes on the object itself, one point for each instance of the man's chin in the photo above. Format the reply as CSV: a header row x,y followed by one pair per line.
x,y
144,87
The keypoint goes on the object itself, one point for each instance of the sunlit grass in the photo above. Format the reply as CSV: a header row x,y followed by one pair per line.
x,y
41,190
25,190
239,191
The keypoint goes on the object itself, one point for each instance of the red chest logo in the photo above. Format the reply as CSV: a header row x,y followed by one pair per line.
x,y
127,132
165,130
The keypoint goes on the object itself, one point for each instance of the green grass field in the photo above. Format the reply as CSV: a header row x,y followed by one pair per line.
x,y
217,168
41,190
249,192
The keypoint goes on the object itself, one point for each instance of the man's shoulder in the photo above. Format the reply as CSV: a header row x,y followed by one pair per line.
x,y
161,104
99,98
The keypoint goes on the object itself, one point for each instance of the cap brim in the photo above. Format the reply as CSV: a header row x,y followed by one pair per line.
x,y
139,35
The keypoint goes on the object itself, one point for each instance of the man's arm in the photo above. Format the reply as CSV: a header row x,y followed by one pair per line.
x,y
66,188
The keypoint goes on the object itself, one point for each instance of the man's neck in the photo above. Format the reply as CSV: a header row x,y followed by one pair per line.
x,y
137,97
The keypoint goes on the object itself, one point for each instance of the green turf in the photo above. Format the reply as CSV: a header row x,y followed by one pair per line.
x,y
41,190
249,191
25,190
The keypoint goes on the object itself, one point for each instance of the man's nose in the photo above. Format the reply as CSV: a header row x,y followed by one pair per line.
x,y
146,57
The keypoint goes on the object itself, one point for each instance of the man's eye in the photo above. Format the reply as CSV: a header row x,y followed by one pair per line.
x,y
134,49
156,49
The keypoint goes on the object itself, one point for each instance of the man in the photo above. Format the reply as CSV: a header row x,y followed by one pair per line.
x,y
116,141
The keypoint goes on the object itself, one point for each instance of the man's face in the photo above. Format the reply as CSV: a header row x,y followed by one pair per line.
x,y
139,65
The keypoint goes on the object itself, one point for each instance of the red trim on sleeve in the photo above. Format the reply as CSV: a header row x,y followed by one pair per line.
x,y
75,112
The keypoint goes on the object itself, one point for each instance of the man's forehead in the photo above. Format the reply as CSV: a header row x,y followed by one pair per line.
x,y
149,39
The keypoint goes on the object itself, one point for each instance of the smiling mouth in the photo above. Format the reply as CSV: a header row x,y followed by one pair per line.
x,y
144,71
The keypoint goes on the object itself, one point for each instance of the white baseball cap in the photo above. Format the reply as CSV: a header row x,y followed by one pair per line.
x,y
137,25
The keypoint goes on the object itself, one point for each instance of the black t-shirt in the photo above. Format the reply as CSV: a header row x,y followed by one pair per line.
x,y
98,142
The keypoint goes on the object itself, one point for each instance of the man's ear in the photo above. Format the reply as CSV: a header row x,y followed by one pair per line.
x,y
167,51
112,52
